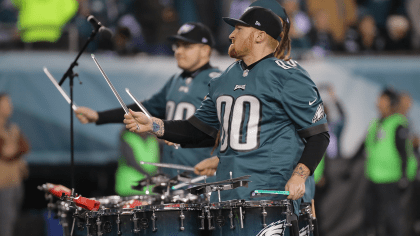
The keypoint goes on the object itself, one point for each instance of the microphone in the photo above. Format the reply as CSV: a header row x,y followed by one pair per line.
x,y
97,25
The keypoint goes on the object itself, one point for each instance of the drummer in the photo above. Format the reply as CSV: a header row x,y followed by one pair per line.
x,y
178,99
269,113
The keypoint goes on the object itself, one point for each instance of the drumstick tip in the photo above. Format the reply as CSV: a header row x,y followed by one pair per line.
x,y
127,90
92,55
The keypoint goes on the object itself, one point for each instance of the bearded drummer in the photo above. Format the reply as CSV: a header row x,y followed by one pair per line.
x,y
268,110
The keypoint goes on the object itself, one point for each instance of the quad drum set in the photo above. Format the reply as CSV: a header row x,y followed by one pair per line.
x,y
172,210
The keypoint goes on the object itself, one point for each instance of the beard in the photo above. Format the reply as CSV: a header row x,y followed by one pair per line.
x,y
239,51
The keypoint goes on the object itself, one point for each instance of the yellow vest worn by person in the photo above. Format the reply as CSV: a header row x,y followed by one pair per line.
x,y
383,163
43,20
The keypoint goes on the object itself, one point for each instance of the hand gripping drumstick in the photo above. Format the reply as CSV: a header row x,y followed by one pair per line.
x,y
112,87
59,87
143,109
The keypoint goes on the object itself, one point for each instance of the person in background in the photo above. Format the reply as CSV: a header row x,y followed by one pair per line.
x,y
13,168
135,148
390,166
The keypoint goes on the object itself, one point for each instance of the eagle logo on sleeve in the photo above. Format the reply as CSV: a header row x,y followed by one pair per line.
x,y
319,114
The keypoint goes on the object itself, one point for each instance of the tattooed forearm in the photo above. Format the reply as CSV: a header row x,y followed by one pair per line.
x,y
302,171
157,127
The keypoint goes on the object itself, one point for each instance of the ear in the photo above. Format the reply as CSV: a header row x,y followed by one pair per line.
x,y
260,36
205,51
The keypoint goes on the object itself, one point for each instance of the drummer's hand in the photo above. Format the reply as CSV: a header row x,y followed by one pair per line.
x,y
296,183
207,166
169,143
86,115
138,122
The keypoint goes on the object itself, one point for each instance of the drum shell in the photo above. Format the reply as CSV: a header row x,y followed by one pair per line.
x,y
252,212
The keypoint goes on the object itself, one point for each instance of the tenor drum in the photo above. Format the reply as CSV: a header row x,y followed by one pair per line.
x,y
258,217
183,219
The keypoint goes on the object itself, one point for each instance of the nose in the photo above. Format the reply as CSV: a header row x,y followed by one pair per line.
x,y
232,35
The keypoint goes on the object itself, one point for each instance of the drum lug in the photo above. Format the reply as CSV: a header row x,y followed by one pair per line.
x,y
99,223
264,214
154,218
202,217
288,213
182,216
232,226
241,217
209,217
135,221
118,225
88,224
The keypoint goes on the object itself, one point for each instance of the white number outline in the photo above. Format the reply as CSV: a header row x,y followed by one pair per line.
x,y
234,109
177,113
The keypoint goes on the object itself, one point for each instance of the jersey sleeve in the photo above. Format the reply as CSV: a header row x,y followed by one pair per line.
x,y
156,105
205,118
303,104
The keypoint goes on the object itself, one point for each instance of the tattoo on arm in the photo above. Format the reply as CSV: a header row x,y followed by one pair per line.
x,y
302,171
158,127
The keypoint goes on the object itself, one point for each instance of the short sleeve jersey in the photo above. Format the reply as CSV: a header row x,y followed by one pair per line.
x,y
178,100
263,115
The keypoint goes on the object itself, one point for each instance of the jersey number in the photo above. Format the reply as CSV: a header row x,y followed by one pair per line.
x,y
240,121
182,111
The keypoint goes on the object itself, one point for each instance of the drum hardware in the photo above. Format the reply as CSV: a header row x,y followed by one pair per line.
x,y
209,217
182,217
88,224
241,214
264,214
307,213
220,220
99,223
136,226
202,217
220,186
154,218
118,225
232,226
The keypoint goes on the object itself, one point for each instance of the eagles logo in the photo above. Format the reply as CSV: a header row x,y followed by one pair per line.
x,y
319,114
185,29
274,229
304,231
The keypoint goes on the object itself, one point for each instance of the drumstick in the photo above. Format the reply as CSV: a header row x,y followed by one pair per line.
x,y
59,87
112,87
198,179
173,166
272,192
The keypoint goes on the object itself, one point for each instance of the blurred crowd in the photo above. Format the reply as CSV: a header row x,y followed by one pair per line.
x,y
318,28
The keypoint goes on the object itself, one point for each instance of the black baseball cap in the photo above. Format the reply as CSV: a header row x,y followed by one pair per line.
x,y
259,18
194,32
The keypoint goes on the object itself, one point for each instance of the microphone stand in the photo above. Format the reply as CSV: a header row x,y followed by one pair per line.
x,y
70,74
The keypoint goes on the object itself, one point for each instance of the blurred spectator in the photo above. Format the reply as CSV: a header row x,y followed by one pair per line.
x,y
300,24
8,30
13,168
413,12
320,35
391,25
42,21
389,167
397,27
135,148
340,15
158,20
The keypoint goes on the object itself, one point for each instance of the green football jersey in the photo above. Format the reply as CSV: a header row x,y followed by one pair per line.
x,y
263,115
178,100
